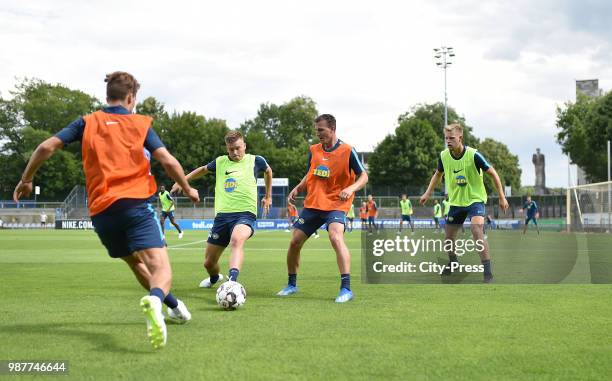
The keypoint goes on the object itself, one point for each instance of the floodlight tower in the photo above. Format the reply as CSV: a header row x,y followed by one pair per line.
x,y
444,56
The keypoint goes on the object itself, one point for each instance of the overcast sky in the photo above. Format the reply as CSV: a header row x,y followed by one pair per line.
x,y
364,62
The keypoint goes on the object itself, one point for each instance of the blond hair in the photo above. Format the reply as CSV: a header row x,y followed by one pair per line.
x,y
454,127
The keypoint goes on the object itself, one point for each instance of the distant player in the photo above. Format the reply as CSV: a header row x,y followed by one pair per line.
x,y
437,214
43,219
406,212
363,215
463,168
350,217
531,214
330,186
235,204
292,216
372,214
116,145
167,207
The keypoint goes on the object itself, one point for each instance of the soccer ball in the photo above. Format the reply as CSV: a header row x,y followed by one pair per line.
x,y
230,295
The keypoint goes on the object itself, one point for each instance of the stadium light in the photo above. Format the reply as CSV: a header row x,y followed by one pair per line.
x,y
443,56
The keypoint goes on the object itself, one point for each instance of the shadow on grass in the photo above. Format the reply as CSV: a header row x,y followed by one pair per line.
x,y
101,342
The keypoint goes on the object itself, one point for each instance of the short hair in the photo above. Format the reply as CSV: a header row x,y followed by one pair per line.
x,y
119,84
233,136
454,127
329,118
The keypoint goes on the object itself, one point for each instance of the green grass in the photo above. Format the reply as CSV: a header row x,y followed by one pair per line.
x,y
64,299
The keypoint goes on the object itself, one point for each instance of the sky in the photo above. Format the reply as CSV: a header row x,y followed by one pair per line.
x,y
366,62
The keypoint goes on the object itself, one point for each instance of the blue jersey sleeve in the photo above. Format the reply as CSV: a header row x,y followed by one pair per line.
x,y
440,165
260,164
354,163
212,166
73,132
152,141
481,162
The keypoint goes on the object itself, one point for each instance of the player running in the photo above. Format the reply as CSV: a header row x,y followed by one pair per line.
x,y
330,186
292,216
406,211
463,168
437,214
167,206
116,146
235,204
532,211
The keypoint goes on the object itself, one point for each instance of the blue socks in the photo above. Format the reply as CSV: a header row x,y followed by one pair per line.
x,y
292,280
157,292
214,278
171,301
233,274
345,281
487,266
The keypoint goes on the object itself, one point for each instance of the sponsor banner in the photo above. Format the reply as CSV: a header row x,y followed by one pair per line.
x,y
186,224
73,224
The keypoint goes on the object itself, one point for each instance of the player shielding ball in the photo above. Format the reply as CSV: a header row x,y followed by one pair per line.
x,y
463,168
330,189
116,146
167,210
235,204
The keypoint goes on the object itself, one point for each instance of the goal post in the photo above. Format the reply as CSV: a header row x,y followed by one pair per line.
x,y
589,207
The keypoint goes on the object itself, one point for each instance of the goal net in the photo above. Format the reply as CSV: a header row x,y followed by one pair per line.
x,y
589,207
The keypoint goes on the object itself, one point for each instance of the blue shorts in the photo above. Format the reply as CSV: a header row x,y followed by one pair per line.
x,y
293,219
168,214
405,217
223,226
531,218
312,219
458,214
371,220
126,231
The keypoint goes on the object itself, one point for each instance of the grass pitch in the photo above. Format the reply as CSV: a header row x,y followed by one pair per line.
x,y
63,298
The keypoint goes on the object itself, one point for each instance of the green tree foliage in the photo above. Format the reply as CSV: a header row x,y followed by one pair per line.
x,y
282,134
434,114
408,157
585,127
36,111
194,141
505,163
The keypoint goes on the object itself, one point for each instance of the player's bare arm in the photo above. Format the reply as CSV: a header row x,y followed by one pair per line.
x,y
295,191
42,153
195,174
174,169
266,202
433,183
503,203
361,182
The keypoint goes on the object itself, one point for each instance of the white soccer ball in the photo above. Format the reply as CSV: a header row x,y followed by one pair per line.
x,y
231,295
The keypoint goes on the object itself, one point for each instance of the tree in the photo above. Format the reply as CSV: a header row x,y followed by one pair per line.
x,y
36,111
407,158
505,163
282,134
585,127
434,114
194,141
